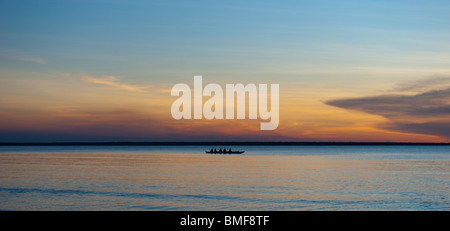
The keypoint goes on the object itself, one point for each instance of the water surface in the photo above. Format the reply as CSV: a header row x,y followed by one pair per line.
x,y
311,177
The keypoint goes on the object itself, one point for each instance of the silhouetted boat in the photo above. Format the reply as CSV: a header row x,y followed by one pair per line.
x,y
224,152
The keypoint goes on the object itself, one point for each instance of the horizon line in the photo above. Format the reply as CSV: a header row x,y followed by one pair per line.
x,y
149,143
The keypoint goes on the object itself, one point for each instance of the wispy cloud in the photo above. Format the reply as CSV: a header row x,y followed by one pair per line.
x,y
110,80
22,56
113,82
423,113
34,60
431,83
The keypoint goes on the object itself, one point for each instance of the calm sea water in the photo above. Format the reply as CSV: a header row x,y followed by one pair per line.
x,y
264,178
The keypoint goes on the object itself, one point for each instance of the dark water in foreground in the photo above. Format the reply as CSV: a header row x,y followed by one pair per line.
x,y
405,177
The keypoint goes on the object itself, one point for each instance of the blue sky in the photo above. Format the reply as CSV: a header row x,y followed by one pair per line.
x,y
188,36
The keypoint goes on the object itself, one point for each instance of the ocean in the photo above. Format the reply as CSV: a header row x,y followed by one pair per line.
x,y
264,178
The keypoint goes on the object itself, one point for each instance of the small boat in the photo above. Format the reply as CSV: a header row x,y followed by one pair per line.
x,y
224,152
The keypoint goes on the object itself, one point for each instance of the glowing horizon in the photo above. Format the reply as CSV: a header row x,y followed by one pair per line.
x,y
102,71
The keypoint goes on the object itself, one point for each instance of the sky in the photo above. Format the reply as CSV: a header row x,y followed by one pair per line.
x,y
79,70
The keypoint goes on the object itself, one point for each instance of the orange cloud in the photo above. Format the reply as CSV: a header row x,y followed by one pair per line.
x,y
53,109
425,113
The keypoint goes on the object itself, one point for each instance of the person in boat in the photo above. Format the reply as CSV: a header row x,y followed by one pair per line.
x,y
215,150
229,150
211,150
225,150
220,150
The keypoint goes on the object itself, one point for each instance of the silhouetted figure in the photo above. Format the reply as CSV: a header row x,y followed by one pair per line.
x,y
215,150
229,150
211,150
220,150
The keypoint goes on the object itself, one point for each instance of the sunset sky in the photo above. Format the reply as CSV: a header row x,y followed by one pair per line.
x,y
357,70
